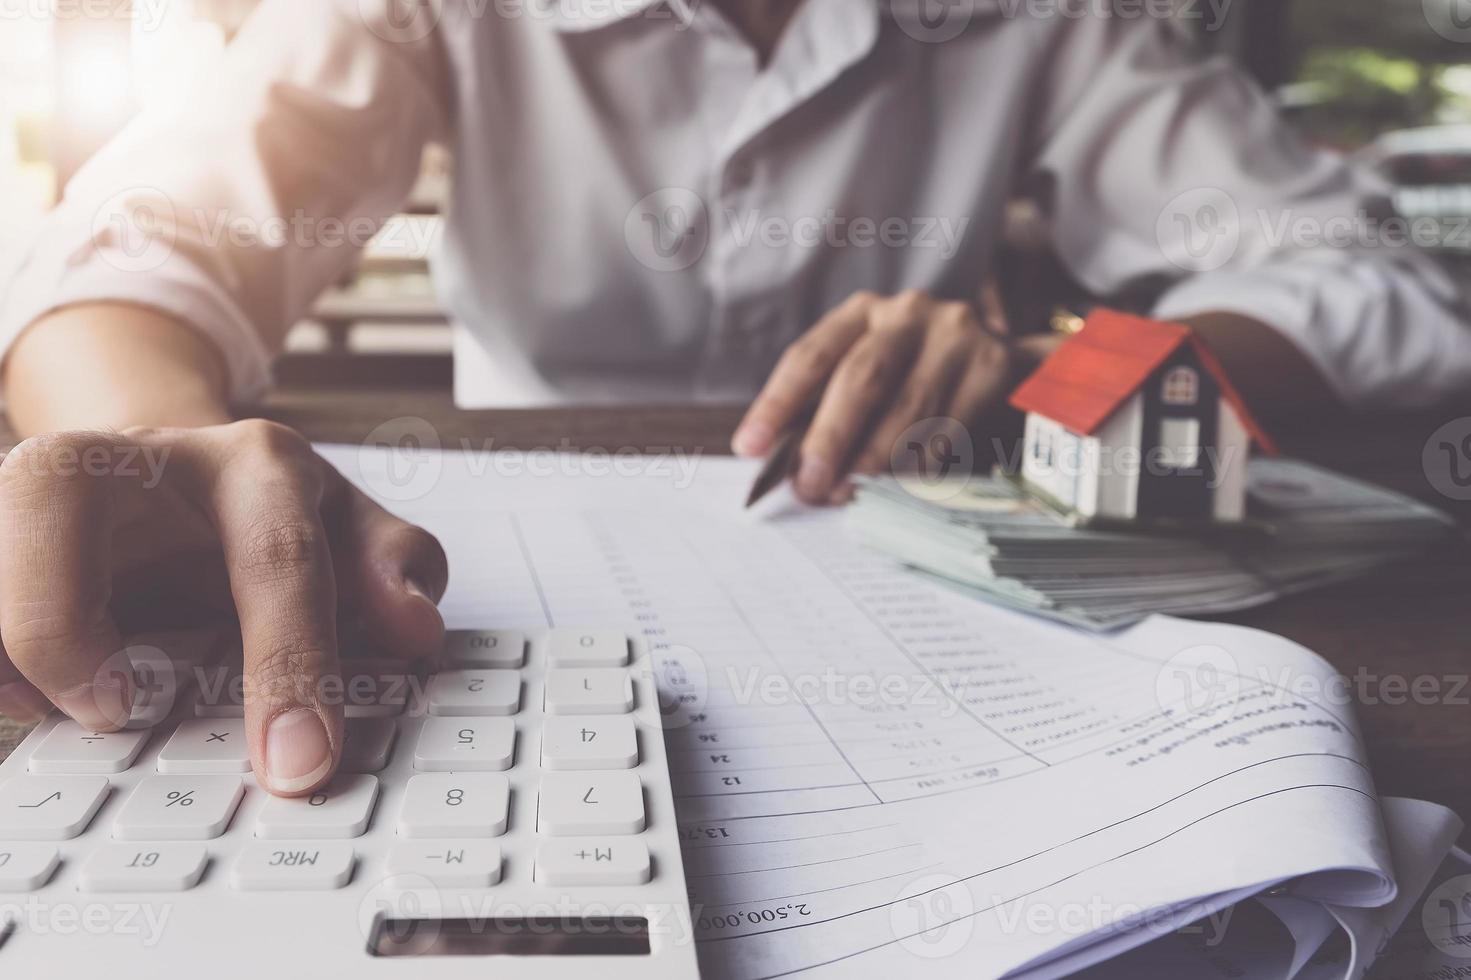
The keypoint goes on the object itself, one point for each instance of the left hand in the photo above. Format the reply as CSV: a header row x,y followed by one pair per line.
x,y
878,364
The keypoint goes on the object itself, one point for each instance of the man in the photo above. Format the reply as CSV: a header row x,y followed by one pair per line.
x,y
651,200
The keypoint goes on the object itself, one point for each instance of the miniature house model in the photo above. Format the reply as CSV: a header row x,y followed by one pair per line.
x,y
1134,420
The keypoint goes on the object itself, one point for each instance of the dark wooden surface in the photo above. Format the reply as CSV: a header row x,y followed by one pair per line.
x,y
1403,629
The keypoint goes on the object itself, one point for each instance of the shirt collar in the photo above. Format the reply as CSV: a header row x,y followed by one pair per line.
x,y
581,16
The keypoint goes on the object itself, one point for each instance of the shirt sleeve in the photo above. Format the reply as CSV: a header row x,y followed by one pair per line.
x,y
233,212
1166,166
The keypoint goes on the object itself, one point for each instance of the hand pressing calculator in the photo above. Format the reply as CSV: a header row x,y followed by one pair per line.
x,y
507,816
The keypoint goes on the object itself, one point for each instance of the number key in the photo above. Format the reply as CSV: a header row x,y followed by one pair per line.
x,y
587,648
588,691
589,742
341,810
455,805
455,744
485,648
475,692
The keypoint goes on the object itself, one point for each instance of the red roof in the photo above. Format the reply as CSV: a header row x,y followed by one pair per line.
x,y
1097,369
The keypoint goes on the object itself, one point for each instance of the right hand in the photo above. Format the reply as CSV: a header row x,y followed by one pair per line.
x,y
241,519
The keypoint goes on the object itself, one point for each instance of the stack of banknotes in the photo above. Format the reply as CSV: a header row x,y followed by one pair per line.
x,y
1306,526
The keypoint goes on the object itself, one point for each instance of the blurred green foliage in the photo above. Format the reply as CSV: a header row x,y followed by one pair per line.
x,y
1368,66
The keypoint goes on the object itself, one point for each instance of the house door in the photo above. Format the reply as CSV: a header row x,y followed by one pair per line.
x,y
1180,414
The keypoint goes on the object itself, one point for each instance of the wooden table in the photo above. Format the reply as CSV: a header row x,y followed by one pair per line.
x,y
1402,630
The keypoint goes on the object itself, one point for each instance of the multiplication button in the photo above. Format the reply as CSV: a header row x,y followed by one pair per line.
x,y
206,745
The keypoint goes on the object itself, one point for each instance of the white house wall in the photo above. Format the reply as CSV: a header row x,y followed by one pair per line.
x,y
1232,446
1119,441
1057,478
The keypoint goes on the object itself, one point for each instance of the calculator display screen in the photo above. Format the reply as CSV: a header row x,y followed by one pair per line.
x,y
532,936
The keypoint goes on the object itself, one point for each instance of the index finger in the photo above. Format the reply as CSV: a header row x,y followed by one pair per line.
x,y
56,523
800,376
266,501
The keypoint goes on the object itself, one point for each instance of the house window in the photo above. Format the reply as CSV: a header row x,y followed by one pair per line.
x,y
1179,443
1181,386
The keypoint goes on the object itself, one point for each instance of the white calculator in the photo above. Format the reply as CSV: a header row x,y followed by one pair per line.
x,y
507,816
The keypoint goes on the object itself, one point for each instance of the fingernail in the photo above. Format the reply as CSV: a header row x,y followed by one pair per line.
x,y
23,703
752,439
814,479
298,754
842,494
103,705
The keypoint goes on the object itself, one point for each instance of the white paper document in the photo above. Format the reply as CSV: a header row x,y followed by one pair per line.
x,y
876,775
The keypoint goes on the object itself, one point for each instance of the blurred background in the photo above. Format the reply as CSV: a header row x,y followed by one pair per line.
x,y
1387,79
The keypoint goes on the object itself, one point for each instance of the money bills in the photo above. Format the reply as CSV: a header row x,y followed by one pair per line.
x,y
1307,526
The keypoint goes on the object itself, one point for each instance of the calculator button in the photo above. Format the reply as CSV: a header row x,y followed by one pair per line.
x,y
179,808
71,748
293,867
455,805
592,861
367,743
341,810
26,867
472,744
221,693
475,692
451,864
374,695
587,648
588,691
578,804
206,745
596,742
49,807
158,683
485,648
143,868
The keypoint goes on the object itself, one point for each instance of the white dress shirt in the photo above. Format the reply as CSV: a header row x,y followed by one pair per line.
x,y
640,211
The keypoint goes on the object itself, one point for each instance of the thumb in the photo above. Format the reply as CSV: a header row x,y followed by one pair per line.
x,y
396,572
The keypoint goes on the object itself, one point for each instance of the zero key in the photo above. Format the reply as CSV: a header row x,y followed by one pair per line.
x,y
587,648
